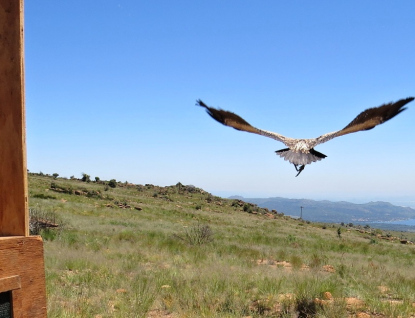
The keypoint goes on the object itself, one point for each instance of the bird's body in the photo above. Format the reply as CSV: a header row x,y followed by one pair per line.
x,y
301,152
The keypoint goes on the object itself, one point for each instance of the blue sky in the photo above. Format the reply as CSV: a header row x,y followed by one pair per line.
x,y
111,88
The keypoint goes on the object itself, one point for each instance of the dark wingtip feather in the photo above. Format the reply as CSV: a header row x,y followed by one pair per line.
x,y
379,115
214,113
200,103
227,118
396,108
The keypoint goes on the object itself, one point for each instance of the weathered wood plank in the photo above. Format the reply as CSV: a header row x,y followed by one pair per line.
x,y
10,283
13,171
23,257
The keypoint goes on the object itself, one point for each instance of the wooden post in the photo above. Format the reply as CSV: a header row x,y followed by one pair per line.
x,y
13,171
22,274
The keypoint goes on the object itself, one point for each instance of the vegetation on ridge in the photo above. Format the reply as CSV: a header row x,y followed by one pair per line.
x,y
178,251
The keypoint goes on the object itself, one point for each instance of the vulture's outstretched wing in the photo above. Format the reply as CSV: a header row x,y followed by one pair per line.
x,y
369,119
232,120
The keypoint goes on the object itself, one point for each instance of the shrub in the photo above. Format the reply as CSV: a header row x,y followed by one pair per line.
x,y
43,196
112,183
197,235
59,188
306,307
248,208
44,223
86,177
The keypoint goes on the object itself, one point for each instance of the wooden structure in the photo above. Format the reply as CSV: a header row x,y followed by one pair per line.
x,y
22,275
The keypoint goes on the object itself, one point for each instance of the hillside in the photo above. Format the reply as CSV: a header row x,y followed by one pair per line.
x,y
178,251
335,212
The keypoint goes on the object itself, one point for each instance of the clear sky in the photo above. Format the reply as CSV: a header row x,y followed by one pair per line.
x,y
111,89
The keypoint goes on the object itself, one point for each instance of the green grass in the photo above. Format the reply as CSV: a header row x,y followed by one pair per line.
x,y
150,259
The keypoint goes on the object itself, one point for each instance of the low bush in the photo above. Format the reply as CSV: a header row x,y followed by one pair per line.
x,y
197,235
43,223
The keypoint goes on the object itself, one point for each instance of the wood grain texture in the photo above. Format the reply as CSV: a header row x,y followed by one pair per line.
x,y
21,256
10,283
13,171
21,262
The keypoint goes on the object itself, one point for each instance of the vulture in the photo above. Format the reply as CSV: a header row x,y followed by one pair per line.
x,y
301,152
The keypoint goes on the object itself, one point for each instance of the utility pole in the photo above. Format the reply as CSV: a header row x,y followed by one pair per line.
x,y
301,216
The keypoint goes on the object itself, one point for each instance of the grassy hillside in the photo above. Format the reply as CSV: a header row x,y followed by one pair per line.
x,y
178,251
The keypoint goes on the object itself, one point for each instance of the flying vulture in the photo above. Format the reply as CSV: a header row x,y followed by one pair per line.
x,y
301,152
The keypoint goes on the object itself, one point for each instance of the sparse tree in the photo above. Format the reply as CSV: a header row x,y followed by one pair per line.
x,y
86,177
55,175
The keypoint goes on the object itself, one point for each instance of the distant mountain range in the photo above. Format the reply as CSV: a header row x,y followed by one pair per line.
x,y
334,212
